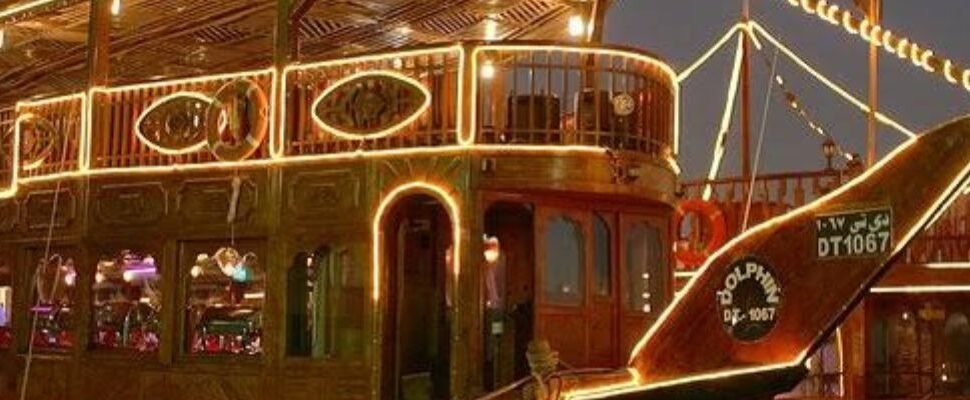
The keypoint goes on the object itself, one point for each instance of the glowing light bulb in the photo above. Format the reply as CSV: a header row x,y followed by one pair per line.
x,y
576,26
491,29
492,249
116,7
99,277
128,276
196,271
488,70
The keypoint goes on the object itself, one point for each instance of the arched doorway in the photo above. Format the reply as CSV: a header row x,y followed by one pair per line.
x,y
417,246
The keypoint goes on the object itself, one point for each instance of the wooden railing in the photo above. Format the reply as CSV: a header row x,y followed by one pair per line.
x,y
52,144
438,70
773,194
115,113
571,96
7,117
451,96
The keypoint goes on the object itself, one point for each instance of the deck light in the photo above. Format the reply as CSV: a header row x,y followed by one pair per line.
x,y
491,29
488,70
576,26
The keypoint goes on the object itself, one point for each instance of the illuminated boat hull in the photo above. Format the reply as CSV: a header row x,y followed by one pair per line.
x,y
765,301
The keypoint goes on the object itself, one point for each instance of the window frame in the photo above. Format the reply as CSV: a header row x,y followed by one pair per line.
x,y
186,251
580,219
163,262
26,266
627,222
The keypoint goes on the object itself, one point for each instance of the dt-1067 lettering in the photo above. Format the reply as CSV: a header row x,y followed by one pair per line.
x,y
854,234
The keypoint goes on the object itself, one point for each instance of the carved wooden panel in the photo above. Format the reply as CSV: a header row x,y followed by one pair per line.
x,y
301,389
48,381
208,201
108,382
39,206
333,192
443,169
228,386
8,215
126,204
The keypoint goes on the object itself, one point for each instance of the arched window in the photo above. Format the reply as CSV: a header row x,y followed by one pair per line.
x,y
563,272
602,259
646,281
955,370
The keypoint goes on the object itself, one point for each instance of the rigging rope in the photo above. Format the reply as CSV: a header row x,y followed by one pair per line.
x,y
46,262
792,100
761,139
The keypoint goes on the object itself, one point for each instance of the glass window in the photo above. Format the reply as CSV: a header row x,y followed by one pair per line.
x,y
563,280
126,299
824,378
954,372
52,303
6,305
324,298
603,264
310,304
225,301
646,277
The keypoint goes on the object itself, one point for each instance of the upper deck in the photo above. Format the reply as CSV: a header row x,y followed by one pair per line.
x,y
507,97
299,92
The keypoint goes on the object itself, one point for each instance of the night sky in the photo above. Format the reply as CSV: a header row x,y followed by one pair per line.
x,y
681,30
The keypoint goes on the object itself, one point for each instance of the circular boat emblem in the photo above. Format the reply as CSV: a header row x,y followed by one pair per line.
x,y
237,120
749,300
623,104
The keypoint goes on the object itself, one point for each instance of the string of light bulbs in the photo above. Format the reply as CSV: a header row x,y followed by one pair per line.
x,y
902,47
796,107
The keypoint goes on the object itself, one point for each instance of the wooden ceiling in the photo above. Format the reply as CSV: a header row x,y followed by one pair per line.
x,y
45,48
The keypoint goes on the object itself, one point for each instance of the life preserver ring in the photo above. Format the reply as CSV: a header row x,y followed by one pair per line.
x,y
709,213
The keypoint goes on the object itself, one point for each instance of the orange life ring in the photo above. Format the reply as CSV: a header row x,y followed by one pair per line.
x,y
709,212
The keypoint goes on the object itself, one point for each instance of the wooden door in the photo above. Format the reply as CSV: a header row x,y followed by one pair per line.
x,y
562,273
645,278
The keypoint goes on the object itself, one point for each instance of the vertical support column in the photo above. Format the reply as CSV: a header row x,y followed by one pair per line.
x,y
468,82
597,21
875,16
746,95
99,69
856,345
99,42
284,52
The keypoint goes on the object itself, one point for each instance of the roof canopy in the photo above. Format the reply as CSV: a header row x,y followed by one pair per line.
x,y
45,47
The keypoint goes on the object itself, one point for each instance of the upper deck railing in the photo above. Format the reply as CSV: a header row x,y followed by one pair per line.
x,y
510,96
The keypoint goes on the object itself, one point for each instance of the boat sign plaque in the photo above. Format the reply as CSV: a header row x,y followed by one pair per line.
x,y
854,234
749,299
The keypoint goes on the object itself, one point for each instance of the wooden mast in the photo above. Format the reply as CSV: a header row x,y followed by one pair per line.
x,y
875,15
746,96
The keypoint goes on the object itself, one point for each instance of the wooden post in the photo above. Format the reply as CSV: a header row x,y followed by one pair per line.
x,y
597,20
875,15
746,96
99,42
